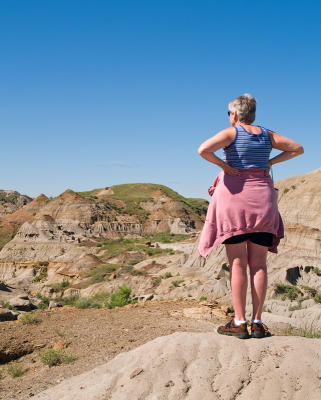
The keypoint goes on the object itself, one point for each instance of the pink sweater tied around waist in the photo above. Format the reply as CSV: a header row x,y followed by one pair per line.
x,y
241,204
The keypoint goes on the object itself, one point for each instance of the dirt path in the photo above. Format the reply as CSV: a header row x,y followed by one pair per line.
x,y
94,336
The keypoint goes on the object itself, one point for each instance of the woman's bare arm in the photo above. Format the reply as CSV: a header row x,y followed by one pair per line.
x,y
290,148
221,139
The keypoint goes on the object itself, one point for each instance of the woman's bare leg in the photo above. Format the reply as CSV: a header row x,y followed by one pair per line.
x,y
237,257
258,274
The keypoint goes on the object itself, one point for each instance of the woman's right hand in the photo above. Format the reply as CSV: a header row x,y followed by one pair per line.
x,y
230,170
267,171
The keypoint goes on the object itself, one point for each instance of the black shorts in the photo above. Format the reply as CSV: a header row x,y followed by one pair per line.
x,y
262,238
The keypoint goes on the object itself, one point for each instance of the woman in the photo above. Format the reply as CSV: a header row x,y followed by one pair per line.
x,y
243,212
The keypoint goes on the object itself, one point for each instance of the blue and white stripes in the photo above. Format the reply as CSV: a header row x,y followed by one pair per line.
x,y
248,150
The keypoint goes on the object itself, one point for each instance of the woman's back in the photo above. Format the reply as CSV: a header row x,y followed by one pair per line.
x,y
248,149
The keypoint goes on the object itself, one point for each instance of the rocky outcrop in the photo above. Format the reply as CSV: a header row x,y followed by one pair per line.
x,y
73,219
67,228
10,223
11,201
198,366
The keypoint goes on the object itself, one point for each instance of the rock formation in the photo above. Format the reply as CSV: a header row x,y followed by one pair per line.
x,y
61,231
199,366
66,232
11,201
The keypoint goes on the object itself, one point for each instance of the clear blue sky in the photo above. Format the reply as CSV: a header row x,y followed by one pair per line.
x,y
96,93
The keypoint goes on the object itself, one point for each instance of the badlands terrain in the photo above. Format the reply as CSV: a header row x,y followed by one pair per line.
x,y
63,258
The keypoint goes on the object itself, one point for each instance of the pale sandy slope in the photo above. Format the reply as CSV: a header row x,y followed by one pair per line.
x,y
205,366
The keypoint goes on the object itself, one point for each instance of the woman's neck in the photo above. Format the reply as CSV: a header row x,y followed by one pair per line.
x,y
242,123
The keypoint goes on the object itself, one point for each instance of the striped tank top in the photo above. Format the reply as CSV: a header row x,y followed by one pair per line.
x,y
248,150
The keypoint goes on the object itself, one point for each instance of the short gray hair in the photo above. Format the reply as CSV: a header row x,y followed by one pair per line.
x,y
245,107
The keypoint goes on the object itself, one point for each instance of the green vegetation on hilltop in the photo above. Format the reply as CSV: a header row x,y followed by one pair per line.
x,y
132,194
136,192
8,198
89,193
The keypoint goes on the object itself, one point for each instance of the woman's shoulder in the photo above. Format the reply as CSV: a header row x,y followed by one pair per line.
x,y
230,133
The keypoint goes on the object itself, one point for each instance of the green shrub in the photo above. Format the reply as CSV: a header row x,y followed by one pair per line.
x,y
168,275
9,198
297,307
69,300
57,287
156,251
138,272
15,369
157,279
29,318
44,304
6,304
288,291
79,302
280,288
114,247
177,283
286,190
293,293
43,263
100,273
68,358
42,273
84,302
165,237
317,271
54,357
120,298
317,297
203,298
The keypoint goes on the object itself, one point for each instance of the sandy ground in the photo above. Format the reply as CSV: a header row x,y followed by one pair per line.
x,y
94,336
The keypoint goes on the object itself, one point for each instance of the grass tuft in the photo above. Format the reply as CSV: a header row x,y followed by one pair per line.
x,y
15,369
52,357
29,318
